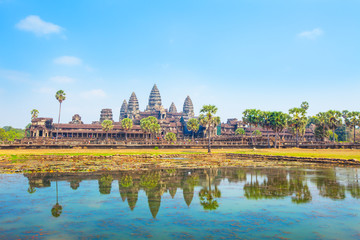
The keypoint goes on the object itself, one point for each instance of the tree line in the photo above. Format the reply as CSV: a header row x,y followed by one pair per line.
x,y
325,124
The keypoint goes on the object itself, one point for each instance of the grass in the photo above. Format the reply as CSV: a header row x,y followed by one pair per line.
x,y
16,154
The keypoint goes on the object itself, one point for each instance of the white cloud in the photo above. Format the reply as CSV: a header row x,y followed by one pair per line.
x,y
62,79
14,76
36,25
313,34
95,93
68,60
45,90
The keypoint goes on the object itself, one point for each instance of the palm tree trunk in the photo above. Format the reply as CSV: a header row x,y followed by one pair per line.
x,y
57,132
297,138
333,135
209,147
57,198
125,136
276,135
193,136
268,136
354,135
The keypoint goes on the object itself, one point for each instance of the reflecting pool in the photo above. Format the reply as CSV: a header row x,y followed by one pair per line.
x,y
212,203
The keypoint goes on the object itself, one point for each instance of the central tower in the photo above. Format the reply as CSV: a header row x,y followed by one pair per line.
x,y
154,99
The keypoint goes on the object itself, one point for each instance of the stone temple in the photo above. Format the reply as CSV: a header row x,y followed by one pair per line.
x,y
155,108
170,120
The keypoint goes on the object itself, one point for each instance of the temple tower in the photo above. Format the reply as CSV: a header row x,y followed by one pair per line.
x,y
133,107
123,110
188,108
106,114
172,108
76,119
154,99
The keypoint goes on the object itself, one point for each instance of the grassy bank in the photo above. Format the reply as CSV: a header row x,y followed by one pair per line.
x,y
294,152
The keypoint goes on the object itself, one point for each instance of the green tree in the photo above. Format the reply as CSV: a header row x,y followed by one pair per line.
x,y
126,124
256,133
60,96
155,129
193,125
209,121
241,132
252,117
345,116
305,106
265,123
145,126
297,121
278,122
3,135
170,137
107,125
334,120
34,114
321,123
354,121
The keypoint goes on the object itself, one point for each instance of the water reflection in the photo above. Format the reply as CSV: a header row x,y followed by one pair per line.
x,y
255,183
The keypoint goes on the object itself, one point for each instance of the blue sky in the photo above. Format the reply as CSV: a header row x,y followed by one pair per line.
x,y
270,55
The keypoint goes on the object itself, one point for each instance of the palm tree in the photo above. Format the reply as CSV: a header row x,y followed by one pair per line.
x,y
209,121
241,132
60,96
305,106
278,122
256,133
321,122
345,116
264,122
145,126
193,125
34,114
354,121
252,117
153,126
334,120
297,121
170,137
57,208
107,125
155,129
127,124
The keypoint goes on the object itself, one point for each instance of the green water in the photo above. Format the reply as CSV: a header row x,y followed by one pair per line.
x,y
223,203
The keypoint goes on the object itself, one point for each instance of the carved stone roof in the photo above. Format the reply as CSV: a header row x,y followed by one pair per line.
x,y
133,107
172,108
154,99
188,108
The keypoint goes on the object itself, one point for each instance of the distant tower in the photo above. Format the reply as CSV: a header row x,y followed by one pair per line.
x,y
154,99
123,110
133,107
106,114
172,108
76,119
188,108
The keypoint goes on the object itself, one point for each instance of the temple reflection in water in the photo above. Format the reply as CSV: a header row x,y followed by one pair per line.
x,y
256,184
